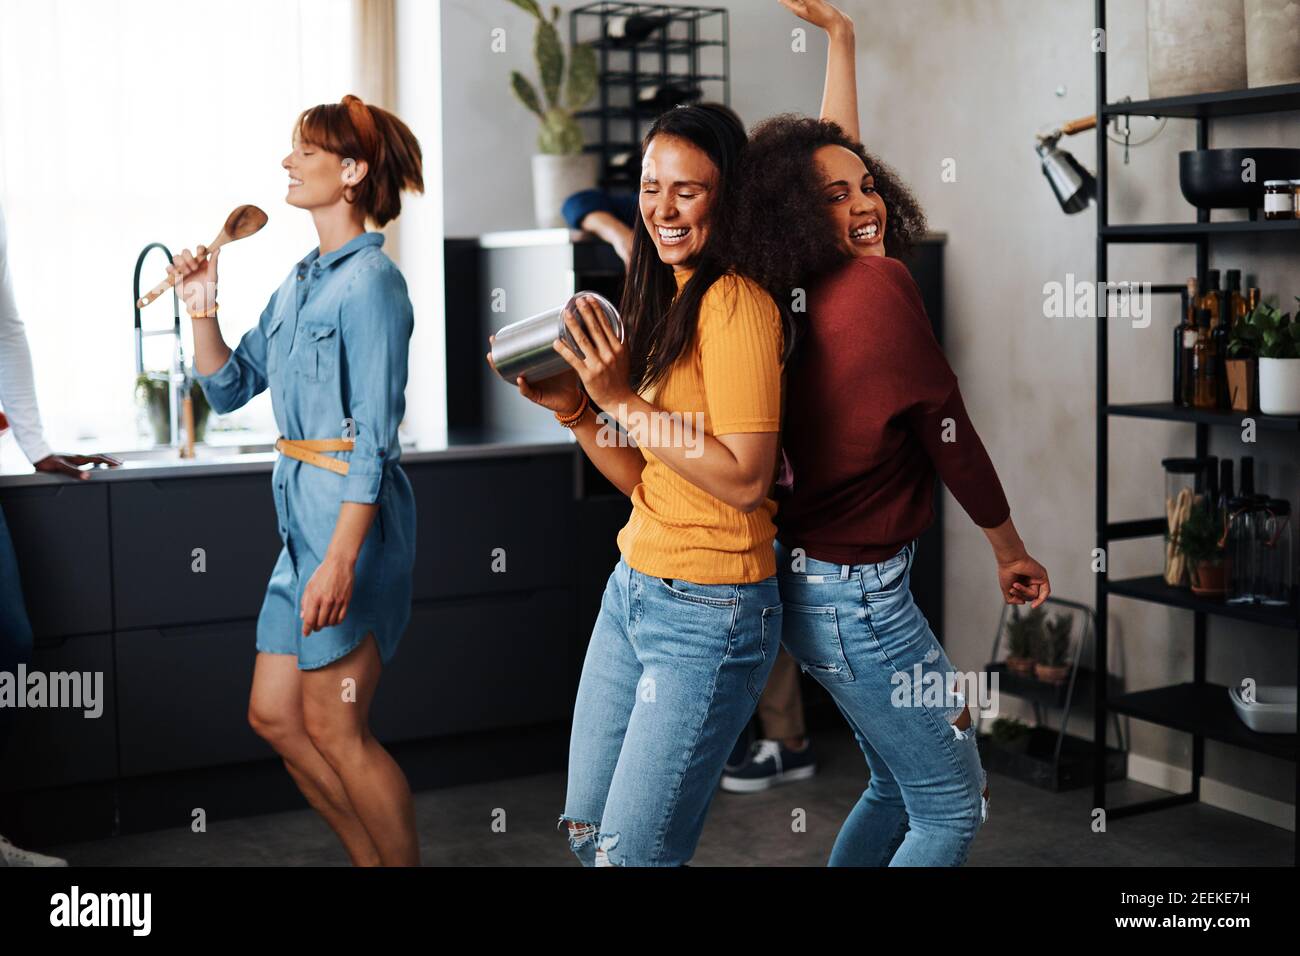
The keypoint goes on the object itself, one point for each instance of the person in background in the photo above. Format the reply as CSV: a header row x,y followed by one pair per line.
x,y
18,398
783,754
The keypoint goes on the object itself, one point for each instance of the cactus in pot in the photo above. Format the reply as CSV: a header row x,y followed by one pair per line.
x,y
560,168
1022,639
1053,649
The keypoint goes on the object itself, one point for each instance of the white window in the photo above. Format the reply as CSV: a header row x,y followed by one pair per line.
x,y
124,123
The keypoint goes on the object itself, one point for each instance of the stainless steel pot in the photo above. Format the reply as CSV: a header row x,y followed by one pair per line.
x,y
524,347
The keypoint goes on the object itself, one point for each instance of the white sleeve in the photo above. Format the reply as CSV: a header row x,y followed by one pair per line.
x,y
17,384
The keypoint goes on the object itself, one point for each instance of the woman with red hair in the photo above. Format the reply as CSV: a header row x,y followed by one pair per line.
x,y
331,346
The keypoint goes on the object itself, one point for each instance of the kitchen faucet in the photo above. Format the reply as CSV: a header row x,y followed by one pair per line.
x,y
178,377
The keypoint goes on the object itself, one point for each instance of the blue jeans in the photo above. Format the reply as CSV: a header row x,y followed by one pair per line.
x,y
673,673
856,629
15,628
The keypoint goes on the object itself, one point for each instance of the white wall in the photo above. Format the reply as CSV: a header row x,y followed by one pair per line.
x,y
490,137
419,85
973,82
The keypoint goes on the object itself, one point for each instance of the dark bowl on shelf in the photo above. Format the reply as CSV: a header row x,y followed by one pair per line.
x,y
1212,178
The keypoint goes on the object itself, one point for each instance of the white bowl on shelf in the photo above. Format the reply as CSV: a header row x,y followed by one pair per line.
x,y
1273,711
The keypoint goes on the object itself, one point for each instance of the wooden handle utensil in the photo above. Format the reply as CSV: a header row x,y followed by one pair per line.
x,y
241,223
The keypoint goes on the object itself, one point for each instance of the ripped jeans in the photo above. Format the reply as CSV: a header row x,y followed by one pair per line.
x,y
673,673
856,629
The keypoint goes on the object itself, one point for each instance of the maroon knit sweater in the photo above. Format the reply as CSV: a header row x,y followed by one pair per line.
x,y
872,411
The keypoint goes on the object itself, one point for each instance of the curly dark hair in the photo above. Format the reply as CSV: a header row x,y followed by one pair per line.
x,y
782,228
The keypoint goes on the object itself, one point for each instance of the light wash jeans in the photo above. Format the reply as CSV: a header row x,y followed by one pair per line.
x,y
673,673
856,629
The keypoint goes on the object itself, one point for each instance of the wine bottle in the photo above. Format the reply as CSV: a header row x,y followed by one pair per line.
x,y
627,31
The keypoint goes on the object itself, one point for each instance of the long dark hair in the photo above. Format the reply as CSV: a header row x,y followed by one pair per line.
x,y
658,328
786,236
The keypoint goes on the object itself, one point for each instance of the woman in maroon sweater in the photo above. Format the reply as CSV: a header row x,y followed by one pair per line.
x,y
873,414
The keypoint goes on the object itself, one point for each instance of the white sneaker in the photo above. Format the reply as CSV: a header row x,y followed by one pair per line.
x,y
10,855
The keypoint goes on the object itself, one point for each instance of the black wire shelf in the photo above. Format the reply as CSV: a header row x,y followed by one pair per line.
x,y
1263,99
1202,709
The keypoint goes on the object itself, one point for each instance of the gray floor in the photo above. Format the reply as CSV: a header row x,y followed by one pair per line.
x,y
1026,827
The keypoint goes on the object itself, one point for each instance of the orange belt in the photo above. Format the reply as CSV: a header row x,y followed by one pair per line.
x,y
307,449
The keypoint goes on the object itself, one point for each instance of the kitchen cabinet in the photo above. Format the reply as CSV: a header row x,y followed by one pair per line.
x,y
157,525
473,665
55,746
60,533
467,510
183,697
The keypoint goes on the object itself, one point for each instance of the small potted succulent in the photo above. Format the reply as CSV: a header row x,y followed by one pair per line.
x,y
1010,734
1200,541
1053,649
1022,639
1279,359
560,168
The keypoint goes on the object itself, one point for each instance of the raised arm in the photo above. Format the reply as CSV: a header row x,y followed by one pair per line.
x,y
840,96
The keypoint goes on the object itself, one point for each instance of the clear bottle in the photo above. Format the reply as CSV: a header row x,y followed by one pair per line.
x,y
1275,553
1242,551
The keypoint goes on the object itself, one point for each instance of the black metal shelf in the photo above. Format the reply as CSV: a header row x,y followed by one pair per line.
x,y
1037,691
1198,707
1263,99
1157,232
692,47
1168,411
1154,590
1204,710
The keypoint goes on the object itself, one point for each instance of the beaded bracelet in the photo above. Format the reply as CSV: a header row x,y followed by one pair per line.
x,y
572,419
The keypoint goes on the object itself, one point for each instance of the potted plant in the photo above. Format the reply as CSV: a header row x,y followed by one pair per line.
x,y
1279,361
560,168
1053,649
152,394
1010,734
1022,639
1200,540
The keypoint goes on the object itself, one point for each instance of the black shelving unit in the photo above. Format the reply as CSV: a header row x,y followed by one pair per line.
x,y
1198,707
693,47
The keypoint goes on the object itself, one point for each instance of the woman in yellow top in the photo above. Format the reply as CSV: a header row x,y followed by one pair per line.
x,y
690,621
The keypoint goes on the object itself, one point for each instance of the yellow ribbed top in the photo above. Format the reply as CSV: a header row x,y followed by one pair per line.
x,y
731,373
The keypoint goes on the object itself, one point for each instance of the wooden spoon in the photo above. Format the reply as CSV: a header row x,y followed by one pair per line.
x,y
241,223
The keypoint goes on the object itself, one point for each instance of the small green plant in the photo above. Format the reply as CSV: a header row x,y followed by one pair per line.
x,y
560,134
1023,631
1200,537
1054,642
1007,730
1265,333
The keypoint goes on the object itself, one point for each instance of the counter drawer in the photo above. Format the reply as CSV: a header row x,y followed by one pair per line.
x,y
156,527
60,533
467,509
466,666
58,746
183,697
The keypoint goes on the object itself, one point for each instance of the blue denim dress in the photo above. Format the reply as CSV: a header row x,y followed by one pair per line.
x,y
332,346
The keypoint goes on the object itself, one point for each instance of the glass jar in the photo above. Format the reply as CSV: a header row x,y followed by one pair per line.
x,y
1275,553
1182,492
1279,199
